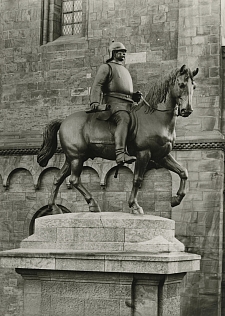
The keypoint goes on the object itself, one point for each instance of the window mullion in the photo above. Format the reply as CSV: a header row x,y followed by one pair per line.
x,y
73,19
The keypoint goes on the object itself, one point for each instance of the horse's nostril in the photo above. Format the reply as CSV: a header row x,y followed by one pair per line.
x,y
185,113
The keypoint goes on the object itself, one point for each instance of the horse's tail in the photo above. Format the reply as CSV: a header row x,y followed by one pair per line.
x,y
49,144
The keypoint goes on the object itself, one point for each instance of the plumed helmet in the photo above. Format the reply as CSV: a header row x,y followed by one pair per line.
x,y
115,46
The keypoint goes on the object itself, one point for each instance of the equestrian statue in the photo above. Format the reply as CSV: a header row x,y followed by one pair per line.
x,y
123,126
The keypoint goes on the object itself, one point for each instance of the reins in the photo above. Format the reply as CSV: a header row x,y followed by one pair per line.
x,y
152,109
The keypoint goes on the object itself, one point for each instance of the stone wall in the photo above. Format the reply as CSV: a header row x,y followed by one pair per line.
x,y
199,226
199,43
42,82
24,192
39,83
200,218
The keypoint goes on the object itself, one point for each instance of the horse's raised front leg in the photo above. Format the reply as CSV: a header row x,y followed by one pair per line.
x,y
76,169
139,171
63,173
170,163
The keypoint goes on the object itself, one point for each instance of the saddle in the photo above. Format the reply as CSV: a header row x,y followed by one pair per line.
x,y
103,128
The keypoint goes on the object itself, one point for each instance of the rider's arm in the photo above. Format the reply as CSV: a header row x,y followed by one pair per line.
x,y
100,79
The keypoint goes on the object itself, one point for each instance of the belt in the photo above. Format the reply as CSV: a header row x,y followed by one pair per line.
x,y
122,96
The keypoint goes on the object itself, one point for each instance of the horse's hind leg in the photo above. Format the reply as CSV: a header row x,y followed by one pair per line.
x,y
170,163
63,173
76,169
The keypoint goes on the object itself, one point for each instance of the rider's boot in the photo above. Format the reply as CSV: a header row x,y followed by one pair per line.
x,y
123,157
122,119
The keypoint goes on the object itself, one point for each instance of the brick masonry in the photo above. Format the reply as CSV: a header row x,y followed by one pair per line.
x,y
42,82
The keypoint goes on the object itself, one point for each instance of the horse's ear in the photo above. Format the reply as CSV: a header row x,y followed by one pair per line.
x,y
182,69
194,73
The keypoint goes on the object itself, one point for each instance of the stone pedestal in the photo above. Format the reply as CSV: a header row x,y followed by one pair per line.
x,y
109,264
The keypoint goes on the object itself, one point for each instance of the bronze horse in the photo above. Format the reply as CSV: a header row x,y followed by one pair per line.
x,y
151,139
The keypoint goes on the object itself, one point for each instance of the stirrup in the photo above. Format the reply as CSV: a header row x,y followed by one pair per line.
x,y
117,170
122,157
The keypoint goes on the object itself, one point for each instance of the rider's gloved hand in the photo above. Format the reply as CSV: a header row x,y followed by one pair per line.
x,y
136,97
94,106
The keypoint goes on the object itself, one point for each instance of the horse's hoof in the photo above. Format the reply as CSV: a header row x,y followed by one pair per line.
x,y
175,201
137,210
94,207
56,210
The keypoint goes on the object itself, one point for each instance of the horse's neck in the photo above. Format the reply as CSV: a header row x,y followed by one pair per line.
x,y
166,105
164,112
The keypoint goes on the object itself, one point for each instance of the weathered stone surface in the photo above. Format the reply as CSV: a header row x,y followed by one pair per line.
x,y
105,231
109,281
93,249
105,220
156,244
115,261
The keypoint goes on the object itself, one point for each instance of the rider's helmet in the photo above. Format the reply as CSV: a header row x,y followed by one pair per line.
x,y
115,46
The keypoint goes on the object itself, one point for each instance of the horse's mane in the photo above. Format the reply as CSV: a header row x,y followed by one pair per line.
x,y
158,90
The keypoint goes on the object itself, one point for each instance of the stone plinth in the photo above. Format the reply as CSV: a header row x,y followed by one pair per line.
x,y
104,232
109,264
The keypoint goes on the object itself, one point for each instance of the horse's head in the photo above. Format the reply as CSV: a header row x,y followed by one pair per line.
x,y
183,88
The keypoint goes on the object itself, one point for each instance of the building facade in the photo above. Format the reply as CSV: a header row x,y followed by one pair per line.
x,y
49,53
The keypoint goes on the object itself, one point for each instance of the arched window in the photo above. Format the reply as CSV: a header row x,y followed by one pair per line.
x,y
63,18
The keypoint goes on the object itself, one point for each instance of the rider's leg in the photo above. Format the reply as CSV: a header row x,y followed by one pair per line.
x,y
122,120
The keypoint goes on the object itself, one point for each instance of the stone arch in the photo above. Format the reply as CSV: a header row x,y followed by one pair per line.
x,y
156,192
12,171
117,191
18,162
92,172
94,165
42,174
111,166
112,171
40,209
1,179
44,211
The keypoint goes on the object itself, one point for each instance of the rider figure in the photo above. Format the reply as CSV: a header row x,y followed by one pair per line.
x,y
113,81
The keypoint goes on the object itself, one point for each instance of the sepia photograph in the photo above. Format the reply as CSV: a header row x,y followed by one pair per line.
x,y
112,149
